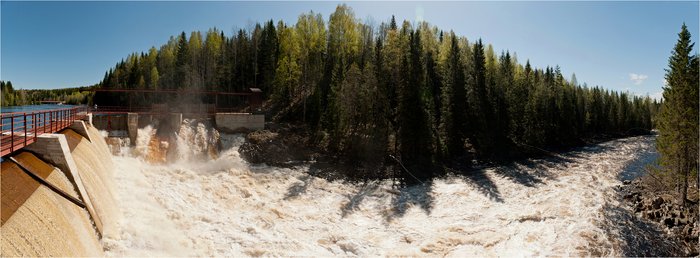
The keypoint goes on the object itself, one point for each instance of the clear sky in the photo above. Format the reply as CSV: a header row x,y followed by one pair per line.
x,y
618,45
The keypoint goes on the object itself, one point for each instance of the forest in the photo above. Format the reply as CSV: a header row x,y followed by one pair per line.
x,y
394,92
72,96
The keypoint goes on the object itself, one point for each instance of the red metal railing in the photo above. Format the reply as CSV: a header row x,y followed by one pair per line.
x,y
20,129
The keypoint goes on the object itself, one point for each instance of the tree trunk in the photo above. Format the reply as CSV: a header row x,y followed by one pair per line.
x,y
686,168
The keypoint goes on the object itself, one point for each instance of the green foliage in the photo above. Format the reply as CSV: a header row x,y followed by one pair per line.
x,y
8,94
72,96
677,120
414,133
454,101
425,96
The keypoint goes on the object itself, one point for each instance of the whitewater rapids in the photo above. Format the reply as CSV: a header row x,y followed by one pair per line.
x,y
227,207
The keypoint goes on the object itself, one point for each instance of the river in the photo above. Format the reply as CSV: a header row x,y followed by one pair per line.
x,y
19,120
33,108
563,206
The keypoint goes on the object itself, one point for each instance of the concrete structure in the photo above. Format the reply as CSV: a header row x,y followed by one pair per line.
x,y
55,200
110,122
175,120
81,128
54,149
37,220
133,125
131,122
88,119
232,122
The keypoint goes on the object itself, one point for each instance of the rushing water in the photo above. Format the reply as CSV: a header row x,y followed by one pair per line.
x,y
227,207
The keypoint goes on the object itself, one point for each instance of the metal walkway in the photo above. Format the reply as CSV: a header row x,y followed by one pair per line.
x,y
20,129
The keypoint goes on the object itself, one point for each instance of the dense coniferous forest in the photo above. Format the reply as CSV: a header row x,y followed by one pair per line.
x,y
72,96
413,92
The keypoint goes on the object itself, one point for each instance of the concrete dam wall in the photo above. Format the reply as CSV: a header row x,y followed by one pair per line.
x,y
57,195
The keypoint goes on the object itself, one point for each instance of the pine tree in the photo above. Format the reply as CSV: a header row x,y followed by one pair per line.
x,y
677,121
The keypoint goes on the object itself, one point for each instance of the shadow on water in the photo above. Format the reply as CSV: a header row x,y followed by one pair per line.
x,y
419,195
636,237
354,200
483,184
532,172
527,172
589,149
298,188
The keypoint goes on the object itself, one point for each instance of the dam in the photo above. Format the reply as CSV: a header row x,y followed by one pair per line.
x,y
58,186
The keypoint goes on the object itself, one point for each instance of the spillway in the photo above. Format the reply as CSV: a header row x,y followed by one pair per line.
x,y
38,220
94,163
226,207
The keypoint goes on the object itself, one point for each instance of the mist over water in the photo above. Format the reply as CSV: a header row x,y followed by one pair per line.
x,y
224,206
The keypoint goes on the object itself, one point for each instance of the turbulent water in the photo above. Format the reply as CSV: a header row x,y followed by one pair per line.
x,y
227,207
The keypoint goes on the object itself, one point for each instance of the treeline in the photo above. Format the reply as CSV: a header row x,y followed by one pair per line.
x,y
209,62
72,96
420,95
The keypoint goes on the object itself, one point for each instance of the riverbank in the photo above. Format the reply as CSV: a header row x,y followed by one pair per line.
x,y
285,145
651,202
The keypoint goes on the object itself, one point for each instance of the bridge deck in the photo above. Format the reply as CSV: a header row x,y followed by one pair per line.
x,y
20,129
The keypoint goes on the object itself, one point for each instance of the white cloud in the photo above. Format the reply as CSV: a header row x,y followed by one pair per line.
x,y
638,78
657,95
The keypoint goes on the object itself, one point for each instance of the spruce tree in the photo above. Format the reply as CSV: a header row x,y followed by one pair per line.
x,y
414,133
455,101
182,63
678,119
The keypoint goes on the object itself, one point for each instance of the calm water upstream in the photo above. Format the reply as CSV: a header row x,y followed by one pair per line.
x,y
19,120
32,108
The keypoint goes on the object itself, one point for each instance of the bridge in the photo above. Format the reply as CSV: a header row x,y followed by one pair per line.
x,y
126,118
20,129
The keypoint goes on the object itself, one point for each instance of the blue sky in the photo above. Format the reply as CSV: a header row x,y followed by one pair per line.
x,y
617,45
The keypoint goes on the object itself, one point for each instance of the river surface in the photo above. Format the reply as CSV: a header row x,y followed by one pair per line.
x,y
562,206
19,120
33,108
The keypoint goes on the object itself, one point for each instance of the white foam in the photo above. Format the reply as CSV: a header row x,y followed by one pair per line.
x,y
195,141
143,138
226,207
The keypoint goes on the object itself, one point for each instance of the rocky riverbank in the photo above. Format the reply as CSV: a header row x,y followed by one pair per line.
x,y
279,146
284,145
651,203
